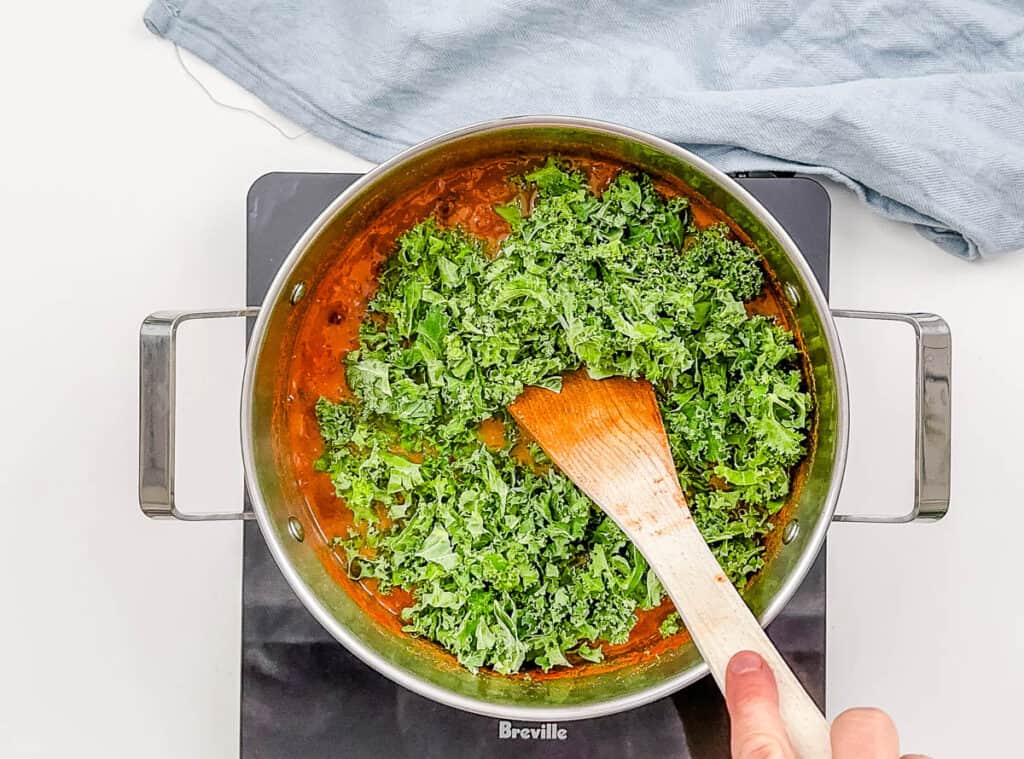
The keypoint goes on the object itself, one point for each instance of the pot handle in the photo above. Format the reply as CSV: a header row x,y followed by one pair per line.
x,y
157,341
932,440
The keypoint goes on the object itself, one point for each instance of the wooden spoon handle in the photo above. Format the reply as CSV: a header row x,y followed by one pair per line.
x,y
721,624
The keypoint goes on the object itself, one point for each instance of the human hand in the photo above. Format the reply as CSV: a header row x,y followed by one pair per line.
x,y
758,732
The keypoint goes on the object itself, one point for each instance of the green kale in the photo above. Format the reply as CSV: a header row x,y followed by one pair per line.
x,y
509,564
672,624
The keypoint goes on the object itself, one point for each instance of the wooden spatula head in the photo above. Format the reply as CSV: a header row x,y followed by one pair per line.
x,y
607,437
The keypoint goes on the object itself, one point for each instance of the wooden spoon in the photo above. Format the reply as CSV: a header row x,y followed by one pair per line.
x,y
608,437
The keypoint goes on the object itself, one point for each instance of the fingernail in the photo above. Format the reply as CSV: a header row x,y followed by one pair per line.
x,y
744,662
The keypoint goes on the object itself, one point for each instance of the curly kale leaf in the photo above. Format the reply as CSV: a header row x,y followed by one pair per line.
x,y
509,564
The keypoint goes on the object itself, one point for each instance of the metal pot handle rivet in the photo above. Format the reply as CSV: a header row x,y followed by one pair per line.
x,y
296,530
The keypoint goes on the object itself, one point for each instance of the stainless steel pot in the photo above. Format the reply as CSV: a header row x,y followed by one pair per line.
x,y
285,521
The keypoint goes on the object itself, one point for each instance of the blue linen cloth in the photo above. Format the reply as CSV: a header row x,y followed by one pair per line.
x,y
917,106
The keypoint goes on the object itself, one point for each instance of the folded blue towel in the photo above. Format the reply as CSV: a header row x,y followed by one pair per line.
x,y
919,107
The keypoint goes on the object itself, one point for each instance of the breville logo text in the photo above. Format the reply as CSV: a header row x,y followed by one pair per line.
x,y
549,731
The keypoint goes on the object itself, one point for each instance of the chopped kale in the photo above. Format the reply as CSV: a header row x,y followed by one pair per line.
x,y
669,626
509,564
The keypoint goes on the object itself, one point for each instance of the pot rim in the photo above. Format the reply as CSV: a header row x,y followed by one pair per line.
x,y
276,295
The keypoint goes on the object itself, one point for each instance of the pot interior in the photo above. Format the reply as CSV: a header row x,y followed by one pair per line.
x,y
275,476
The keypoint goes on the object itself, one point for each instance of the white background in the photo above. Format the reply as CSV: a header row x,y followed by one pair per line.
x,y
122,191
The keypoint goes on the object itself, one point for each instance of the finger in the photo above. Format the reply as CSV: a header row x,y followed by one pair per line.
x,y
753,701
915,756
864,734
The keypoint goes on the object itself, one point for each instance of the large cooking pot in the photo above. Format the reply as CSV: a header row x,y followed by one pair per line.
x,y
286,522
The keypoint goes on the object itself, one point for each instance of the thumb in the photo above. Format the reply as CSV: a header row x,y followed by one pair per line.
x,y
753,701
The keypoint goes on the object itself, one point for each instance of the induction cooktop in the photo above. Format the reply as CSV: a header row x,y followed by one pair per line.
x,y
305,696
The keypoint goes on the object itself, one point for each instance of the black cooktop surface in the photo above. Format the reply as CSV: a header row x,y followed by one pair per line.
x,y
304,695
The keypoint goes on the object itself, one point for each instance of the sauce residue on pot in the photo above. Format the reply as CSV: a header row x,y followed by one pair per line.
x,y
327,328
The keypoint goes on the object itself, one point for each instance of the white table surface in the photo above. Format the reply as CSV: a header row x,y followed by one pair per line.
x,y
122,189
